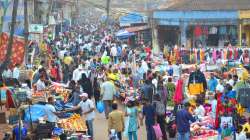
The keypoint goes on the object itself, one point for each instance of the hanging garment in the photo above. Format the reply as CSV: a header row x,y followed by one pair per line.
x,y
214,55
230,54
232,31
195,55
178,95
223,30
205,30
192,56
213,30
240,52
224,54
202,55
235,54
198,56
218,54
197,31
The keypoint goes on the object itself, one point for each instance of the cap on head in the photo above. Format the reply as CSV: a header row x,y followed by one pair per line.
x,y
84,95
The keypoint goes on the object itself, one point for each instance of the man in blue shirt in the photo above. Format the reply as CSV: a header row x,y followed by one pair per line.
x,y
212,83
183,118
149,113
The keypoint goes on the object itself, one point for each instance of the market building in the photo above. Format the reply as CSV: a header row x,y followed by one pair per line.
x,y
213,23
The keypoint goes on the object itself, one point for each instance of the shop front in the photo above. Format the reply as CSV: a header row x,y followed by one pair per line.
x,y
198,28
244,17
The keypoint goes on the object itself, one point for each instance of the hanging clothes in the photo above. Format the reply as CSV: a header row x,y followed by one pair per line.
x,y
223,30
178,95
202,54
192,56
213,30
224,54
232,31
214,55
235,54
197,31
198,56
195,55
229,54
205,30
177,55
240,52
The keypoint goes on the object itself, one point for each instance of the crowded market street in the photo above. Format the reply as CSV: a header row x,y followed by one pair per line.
x,y
124,70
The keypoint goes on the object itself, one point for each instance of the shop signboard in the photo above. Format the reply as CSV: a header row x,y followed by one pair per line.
x,y
36,28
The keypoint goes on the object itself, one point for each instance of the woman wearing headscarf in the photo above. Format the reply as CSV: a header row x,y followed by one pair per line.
x,y
86,85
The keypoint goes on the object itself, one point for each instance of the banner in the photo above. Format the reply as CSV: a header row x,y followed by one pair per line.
x,y
18,49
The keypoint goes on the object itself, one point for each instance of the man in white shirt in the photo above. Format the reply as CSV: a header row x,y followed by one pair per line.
x,y
87,107
230,80
107,92
77,73
50,110
113,52
219,87
40,85
16,72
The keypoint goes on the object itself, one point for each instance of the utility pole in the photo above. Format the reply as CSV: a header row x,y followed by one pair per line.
x,y
107,10
35,11
10,41
26,31
49,11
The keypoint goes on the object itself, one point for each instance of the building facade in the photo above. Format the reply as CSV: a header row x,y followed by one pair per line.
x,y
213,23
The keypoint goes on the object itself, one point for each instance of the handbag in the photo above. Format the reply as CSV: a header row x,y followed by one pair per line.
x,y
157,130
100,106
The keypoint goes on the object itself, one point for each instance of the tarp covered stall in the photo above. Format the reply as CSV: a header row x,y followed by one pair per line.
x,y
124,34
131,18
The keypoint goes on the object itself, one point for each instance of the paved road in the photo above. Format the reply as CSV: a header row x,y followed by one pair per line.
x,y
101,128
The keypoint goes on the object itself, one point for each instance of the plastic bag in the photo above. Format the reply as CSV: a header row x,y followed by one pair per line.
x,y
125,133
157,131
36,112
57,131
100,106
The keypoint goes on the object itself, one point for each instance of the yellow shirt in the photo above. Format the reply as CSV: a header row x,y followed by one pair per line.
x,y
116,121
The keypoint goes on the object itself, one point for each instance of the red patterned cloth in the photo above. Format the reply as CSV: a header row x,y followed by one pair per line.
x,y
17,49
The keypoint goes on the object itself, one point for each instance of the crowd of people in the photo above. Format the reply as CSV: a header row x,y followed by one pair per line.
x,y
96,67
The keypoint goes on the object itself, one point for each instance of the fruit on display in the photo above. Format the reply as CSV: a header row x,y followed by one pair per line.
x,y
74,123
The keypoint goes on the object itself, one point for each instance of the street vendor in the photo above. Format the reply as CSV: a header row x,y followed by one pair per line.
x,y
87,107
50,110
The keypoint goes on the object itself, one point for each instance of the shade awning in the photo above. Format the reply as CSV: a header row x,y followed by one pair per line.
x,y
124,34
137,28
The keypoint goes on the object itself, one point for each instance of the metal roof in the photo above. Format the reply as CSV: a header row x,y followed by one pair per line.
x,y
187,5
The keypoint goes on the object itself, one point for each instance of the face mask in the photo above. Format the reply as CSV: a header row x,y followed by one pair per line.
x,y
84,100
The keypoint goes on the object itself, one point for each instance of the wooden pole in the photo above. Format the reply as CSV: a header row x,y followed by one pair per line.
x,y
26,32
107,10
